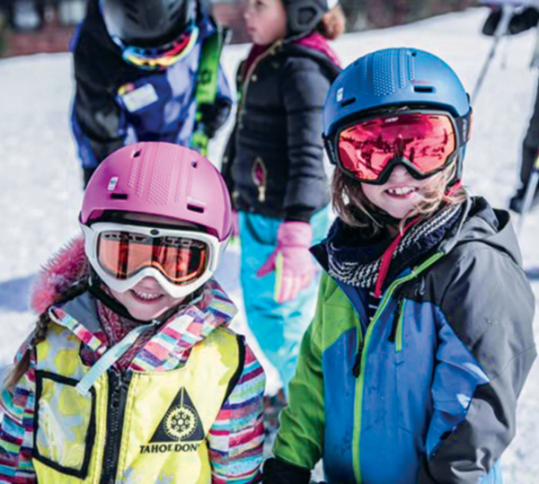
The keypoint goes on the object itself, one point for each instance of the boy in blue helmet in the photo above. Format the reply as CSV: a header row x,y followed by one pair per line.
x,y
138,69
411,369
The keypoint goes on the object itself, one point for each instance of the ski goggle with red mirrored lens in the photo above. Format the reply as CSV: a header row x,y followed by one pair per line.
x,y
160,58
123,255
425,142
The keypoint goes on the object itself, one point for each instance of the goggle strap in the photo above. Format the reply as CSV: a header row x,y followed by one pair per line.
x,y
330,149
109,301
464,127
96,291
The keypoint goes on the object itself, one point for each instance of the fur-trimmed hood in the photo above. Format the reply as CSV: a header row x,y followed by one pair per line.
x,y
66,268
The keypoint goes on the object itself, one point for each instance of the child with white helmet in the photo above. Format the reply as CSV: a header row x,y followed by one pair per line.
x,y
412,367
131,374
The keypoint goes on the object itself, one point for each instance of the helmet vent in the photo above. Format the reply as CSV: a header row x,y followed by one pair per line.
x,y
423,89
131,11
195,208
384,69
174,12
136,154
118,196
131,16
130,6
348,101
194,164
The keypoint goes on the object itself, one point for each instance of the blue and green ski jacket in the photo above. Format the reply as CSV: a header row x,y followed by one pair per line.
x,y
426,391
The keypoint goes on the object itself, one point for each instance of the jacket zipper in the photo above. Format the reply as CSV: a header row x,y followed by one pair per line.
x,y
392,338
248,75
358,402
117,396
356,369
357,363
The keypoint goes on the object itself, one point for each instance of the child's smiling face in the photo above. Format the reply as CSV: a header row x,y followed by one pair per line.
x,y
401,193
266,21
146,300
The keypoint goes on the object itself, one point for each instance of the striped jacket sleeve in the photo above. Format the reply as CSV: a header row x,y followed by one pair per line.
x,y
17,430
236,439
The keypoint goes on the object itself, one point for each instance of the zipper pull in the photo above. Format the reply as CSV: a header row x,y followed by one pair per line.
x,y
261,194
356,370
396,318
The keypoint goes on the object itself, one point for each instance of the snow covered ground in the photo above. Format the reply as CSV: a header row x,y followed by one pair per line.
x,y
41,190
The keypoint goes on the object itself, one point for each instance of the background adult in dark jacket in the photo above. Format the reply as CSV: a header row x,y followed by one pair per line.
x,y
136,69
274,166
521,21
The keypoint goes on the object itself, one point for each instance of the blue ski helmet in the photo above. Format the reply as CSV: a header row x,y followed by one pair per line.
x,y
392,78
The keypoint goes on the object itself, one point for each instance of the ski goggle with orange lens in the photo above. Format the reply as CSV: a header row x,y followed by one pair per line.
x,y
160,58
425,142
179,259
122,255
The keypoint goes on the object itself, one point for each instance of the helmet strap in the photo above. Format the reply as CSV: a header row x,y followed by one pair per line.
x,y
383,217
95,288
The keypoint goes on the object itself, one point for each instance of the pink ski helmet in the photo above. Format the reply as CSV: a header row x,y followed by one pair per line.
x,y
163,180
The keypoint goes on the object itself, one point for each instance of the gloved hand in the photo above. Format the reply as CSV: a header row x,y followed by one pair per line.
x,y
277,471
491,24
291,260
215,115
520,22
525,20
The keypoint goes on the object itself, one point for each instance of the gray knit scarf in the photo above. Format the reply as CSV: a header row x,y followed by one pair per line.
x,y
420,238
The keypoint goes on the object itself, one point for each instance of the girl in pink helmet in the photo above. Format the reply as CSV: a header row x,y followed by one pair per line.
x,y
131,373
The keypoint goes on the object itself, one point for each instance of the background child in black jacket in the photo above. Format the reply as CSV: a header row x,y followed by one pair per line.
x,y
274,167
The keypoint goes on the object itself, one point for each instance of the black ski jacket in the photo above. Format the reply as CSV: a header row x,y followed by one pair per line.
x,y
274,161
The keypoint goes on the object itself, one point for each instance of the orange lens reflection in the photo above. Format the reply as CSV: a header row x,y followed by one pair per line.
x,y
123,254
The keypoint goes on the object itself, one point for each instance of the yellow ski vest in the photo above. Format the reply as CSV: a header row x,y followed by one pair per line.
x,y
136,427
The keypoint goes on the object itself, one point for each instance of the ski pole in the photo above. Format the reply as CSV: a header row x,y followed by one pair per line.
x,y
501,30
530,192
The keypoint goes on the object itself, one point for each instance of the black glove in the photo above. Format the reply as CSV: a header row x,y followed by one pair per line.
x,y
520,22
214,115
525,20
491,24
277,471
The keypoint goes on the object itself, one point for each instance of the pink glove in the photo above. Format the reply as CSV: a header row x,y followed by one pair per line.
x,y
293,263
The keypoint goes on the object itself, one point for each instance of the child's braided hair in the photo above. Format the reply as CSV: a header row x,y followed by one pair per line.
x,y
40,333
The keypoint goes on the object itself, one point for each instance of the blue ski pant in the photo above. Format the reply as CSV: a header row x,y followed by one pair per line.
x,y
278,328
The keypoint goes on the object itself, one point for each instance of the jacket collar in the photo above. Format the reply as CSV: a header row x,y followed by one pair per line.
x,y
192,324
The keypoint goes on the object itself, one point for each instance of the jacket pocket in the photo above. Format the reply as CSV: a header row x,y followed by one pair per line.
x,y
413,357
64,424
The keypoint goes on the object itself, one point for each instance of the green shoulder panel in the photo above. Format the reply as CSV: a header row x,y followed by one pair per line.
x,y
335,312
